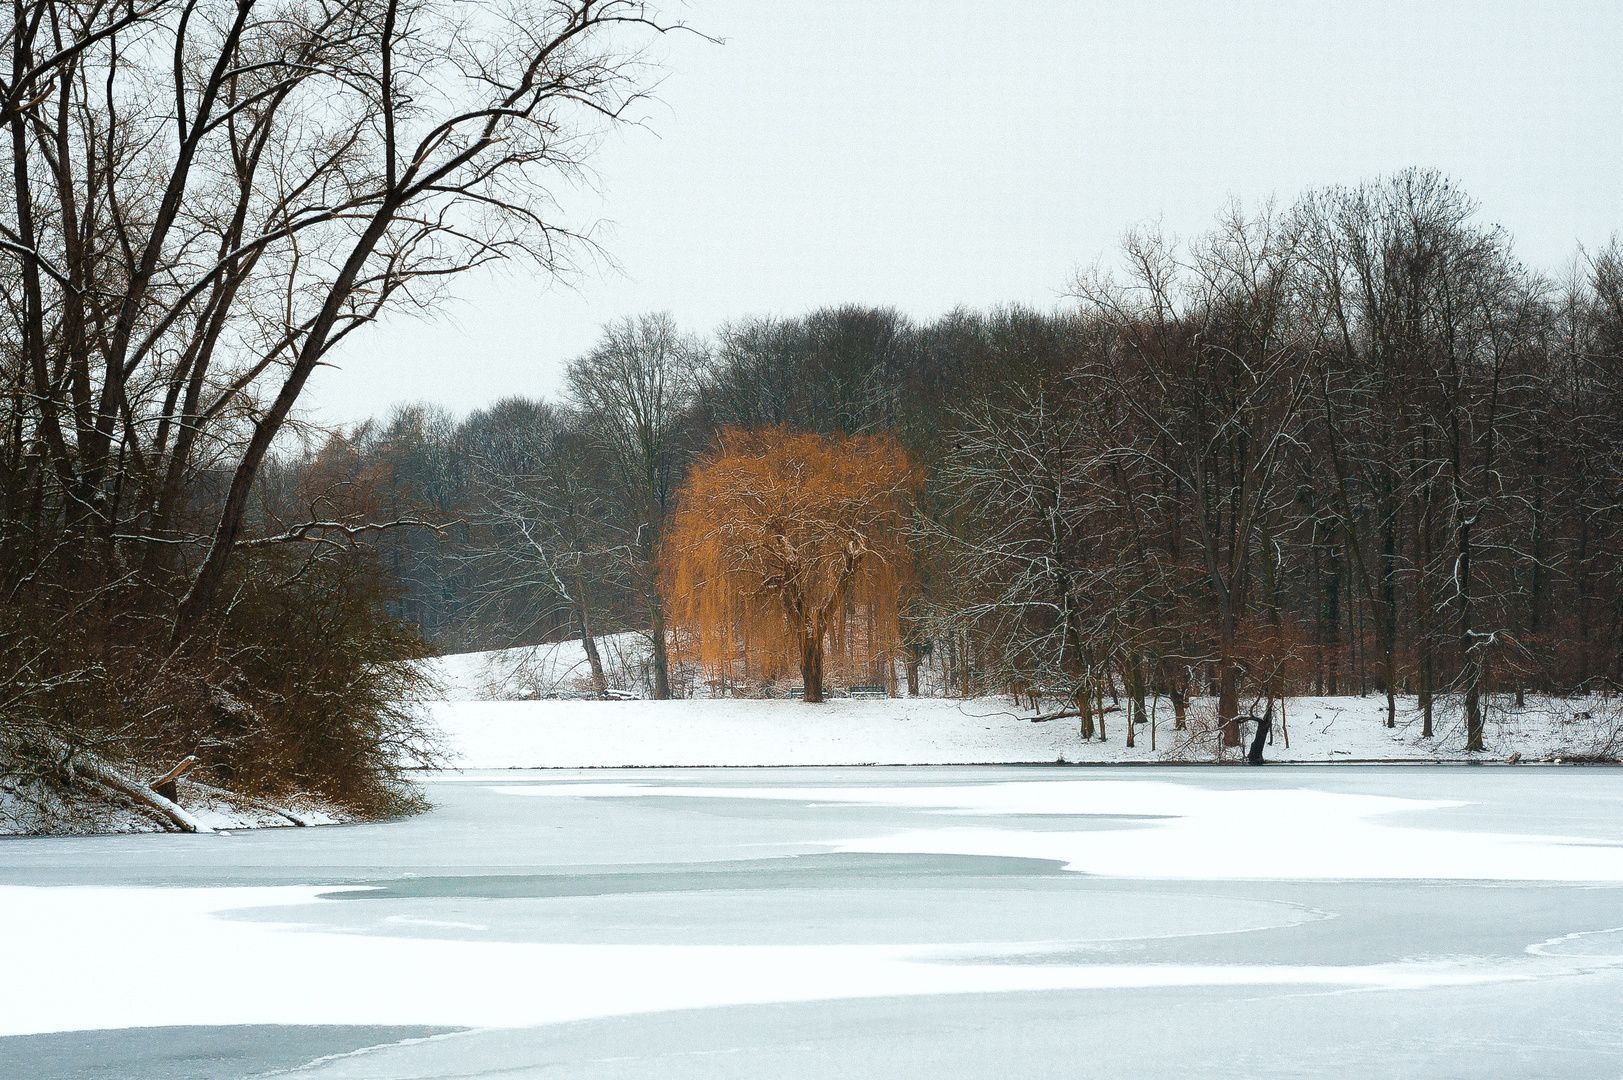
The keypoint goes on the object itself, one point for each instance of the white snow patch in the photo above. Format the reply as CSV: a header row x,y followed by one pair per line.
x,y
553,670
482,734
1195,833
303,977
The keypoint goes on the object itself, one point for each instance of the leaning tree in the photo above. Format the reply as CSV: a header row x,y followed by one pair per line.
x,y
784,543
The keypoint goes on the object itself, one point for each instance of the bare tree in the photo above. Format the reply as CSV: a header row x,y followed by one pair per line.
x,y
206,200
634,390
1207,365
547,542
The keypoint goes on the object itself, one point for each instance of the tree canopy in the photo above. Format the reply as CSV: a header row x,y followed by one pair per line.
x,y
785,544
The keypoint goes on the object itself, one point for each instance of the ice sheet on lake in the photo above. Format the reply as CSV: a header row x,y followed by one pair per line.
x,y
282,974
1198,833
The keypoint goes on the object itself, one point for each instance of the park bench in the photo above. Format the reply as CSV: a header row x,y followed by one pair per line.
x,y
869,692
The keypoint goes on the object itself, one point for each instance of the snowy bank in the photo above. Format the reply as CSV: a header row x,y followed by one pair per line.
x,y
534,708
937,731
37,809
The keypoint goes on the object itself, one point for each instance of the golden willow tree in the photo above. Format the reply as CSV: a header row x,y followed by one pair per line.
x,y
784,544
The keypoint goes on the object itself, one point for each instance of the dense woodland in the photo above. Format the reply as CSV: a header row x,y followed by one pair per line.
x,y
1350,446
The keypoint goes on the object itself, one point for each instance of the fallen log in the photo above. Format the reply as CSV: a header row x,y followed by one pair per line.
x,y
108,776
165,784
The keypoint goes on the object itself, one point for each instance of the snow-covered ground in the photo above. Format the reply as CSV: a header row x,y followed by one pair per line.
x,y
35,809
531,708
555,670
483,731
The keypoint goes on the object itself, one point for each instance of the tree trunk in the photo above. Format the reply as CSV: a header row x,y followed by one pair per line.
x,y
1135,691
1228,691
1423,611
1099,706
811,662
1332,626
211,575
1264,726
656,631
1140,716
1228,705
1388,614
588,640
1470,655
912,675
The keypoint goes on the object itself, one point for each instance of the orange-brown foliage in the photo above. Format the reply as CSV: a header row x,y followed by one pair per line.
x,y
786,544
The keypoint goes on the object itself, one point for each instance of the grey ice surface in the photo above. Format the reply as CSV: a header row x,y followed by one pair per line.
x,y
190,1053
487,866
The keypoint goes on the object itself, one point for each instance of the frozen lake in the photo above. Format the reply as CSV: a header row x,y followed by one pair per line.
x,y
921,922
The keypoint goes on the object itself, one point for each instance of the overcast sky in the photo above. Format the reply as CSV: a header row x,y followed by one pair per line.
x,y
925,155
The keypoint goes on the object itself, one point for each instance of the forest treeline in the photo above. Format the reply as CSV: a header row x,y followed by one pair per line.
x,y
1350,445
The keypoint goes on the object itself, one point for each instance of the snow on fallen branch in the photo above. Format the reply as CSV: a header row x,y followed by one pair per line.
x,y
294,816
311,532
104,774
1070,714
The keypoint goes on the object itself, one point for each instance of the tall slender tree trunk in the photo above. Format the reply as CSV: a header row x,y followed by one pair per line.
x,y
656,630
1136,673
1470,655
964,671
1423,612
1228,690
1330,619
1536,582
1135,690
1228,704
588,640
1388,614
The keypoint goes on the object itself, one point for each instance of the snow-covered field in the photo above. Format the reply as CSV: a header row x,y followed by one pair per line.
x,y
484,732
539,671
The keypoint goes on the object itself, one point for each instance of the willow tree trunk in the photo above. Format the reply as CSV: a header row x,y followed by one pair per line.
x,y
811,663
